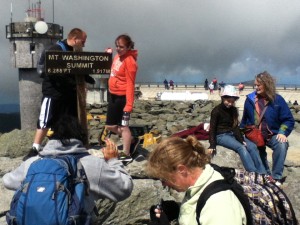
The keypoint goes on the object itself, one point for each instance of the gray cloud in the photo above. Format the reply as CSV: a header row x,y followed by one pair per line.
x,y
186,41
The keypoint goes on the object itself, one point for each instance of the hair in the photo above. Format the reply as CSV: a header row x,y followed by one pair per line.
x,y
128,42
235,113
76,33
268,82
171,152
66,128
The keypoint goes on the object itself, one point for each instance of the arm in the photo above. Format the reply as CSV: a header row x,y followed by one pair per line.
x,y
286,118
213,129
13,179
107,179
130,72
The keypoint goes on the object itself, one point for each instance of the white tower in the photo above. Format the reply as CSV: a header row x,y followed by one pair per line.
x,y
28,39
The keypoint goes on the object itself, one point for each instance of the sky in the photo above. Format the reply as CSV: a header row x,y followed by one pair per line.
x,y
183,40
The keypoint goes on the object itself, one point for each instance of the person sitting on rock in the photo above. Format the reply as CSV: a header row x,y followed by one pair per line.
x,y
224,131
106,175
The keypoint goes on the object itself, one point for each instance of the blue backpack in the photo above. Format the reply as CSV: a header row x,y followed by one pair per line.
x,y
52,193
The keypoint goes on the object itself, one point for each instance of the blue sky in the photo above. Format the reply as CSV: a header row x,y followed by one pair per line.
x,y
186,41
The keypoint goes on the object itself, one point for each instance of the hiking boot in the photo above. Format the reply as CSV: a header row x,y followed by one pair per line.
x,y
32,152
124,158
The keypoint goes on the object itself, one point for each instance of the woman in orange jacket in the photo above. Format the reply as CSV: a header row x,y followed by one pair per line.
x,y
121,92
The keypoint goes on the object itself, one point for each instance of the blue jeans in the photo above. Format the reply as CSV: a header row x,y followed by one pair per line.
x,y
278,157
249,154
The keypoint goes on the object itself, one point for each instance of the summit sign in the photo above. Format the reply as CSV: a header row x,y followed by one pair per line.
x,y
77,63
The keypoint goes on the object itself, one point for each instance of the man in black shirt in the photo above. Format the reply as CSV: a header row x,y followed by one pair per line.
x,y
59,91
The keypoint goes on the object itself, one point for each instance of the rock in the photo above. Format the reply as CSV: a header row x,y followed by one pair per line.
x,y
16,143
167,117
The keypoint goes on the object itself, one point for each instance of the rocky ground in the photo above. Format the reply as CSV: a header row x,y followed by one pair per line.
x,y
167,118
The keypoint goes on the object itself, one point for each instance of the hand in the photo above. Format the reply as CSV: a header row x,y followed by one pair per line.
x,y
281,138
109,50
212,152
110,151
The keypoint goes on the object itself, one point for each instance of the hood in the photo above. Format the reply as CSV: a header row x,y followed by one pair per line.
x,y
133,53
55,147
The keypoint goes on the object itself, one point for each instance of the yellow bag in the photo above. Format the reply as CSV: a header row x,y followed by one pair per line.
x,y
149,139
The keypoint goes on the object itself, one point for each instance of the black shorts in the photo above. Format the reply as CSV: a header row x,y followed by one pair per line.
x,y
115,108
52,109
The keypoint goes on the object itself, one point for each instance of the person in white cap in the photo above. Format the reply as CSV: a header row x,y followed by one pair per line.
x,y
224,131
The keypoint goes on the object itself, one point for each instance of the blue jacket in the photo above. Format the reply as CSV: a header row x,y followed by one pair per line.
x,y
278,115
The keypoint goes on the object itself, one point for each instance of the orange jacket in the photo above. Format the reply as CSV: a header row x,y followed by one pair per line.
x,y
122,77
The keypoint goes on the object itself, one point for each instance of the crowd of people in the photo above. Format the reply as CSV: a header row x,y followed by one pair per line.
x,y
181,162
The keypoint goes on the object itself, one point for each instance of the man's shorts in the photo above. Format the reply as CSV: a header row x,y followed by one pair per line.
x,y
52,109
115,108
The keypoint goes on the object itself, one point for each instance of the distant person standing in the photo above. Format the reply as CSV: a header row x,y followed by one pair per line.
x,y
276,124
121,92
166,84
206,84
221,87
171,84
59,91
211,88
215,83
241,87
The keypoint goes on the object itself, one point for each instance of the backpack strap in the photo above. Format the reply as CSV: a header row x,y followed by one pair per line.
x,y
223,185
62,45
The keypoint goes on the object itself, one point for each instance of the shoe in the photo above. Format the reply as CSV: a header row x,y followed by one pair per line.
x,y
124,158
269,179
32,152
278,183
134,146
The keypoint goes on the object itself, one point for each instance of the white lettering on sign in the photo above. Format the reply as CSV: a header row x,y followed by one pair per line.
x,y
79,65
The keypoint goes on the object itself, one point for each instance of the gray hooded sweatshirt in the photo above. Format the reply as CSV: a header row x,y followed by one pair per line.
x,y
108,179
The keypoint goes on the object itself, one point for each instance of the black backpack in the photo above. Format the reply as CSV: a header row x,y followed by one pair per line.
x,y
264,203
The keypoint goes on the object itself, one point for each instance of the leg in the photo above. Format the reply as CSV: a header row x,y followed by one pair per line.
x,y
126,136
279,155
228,141
40,135
254,153
264,159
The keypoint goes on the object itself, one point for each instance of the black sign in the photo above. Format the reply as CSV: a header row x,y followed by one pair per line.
x,y
77,62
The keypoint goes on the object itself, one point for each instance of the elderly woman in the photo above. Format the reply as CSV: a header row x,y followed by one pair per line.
x,y
276,124
183,165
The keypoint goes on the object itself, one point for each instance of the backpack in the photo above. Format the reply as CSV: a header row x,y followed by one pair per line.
x,y
264,203
52,193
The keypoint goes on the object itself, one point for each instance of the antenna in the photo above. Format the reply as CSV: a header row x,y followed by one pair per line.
x,y
53,10
11,14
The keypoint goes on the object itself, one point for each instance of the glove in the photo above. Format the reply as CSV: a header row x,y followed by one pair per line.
x,y
162,220
169,212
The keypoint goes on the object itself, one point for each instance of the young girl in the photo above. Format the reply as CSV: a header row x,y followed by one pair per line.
x,y
224,131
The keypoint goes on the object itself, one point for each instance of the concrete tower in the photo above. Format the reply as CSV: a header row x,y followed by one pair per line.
x,y
28,39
